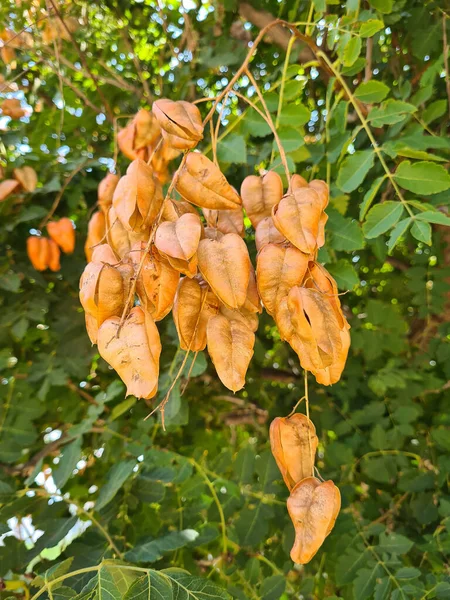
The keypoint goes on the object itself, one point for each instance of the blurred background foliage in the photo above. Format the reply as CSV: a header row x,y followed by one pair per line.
x,y
87,486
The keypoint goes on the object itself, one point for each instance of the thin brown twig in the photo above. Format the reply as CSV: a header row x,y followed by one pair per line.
x,y
368,68
25,28
137,63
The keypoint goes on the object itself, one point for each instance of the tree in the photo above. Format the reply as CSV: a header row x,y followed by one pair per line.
x,y
97,499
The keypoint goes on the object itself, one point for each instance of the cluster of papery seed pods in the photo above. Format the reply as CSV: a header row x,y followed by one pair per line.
x,y
139,236
44,253
313,505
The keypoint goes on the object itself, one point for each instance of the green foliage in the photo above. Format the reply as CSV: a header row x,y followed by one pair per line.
x,y
99,503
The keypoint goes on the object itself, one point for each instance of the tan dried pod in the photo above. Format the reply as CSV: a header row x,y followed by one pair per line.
x,y
91,327
230,346
106,189
322,189
250,319
211,233
7,187
147,129
297,217
202,183
181,120
96,233
125,141
63,233
133,351
317,278
185,267
11,107
278,269
104,254
297,182
260,195
174,209
138,197
38,252
316,326
180,238
102,291
252,302
27,177
332,374
8,55
294,442
267,233
226,221
53,256
191,313
313,507
157,283
225,265
116,234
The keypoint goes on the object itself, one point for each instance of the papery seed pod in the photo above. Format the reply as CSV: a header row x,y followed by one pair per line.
x,y
294,443
333,372
180,238
157,283
230,346
11,107
193,307
138,197
316,326
133,351
225,265
321,188
53,256
147,129
260,195
102,292
116,234
7,187
38,252
297,182
96,233
104,254
297,217
106,189
202,183
317,278
226,221
180,121
7,54
250,319
27,177
313,507
174,209
267,233
252,302
278,269
185,267
91,327
211,233
63,233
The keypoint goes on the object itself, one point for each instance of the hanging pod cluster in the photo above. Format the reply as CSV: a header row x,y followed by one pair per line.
x,y
313,505
161,251
44,253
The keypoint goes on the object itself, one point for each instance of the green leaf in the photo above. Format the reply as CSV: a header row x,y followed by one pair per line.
x,y
354,170
351,51
188,587
345,233
320,5
433,217
107,589
399,230
151,586
253,124
294,115
381,218
370,28
10,282
371,91
383,6
421,230
390,112
116,477
434,111
122,407
344,273
365,582
67,463
290,138
407,573
370,196
153,550
394,543
273,587
232,149
422,177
